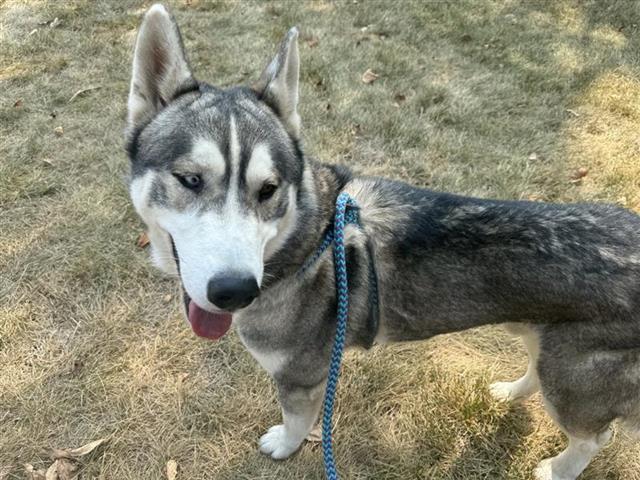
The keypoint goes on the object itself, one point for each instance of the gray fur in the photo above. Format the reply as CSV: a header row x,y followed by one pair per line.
x,y
445,263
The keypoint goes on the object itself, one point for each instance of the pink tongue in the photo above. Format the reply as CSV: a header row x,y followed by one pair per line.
x,y
207,324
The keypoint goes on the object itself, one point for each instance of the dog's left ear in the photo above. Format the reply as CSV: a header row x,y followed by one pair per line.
x,y
160,67
278,84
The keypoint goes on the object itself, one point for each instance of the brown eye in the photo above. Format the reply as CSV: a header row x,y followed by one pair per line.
x,y
190,181
266,192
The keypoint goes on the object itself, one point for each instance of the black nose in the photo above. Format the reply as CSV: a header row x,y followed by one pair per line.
x,y
231,292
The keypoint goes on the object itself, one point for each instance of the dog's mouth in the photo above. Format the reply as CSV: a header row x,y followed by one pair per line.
x,y
204,323
211,325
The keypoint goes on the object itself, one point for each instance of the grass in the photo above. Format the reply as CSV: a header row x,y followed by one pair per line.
x,y
499,99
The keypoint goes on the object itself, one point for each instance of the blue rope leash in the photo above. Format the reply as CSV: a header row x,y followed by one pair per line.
x,y
343,215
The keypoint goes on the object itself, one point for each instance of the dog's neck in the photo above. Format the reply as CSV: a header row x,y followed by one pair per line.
x,y
316,199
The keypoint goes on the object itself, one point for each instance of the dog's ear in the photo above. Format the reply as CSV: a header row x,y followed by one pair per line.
x,y
160,67
278,84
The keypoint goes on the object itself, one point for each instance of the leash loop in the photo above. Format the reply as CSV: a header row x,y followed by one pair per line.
x,y
343,215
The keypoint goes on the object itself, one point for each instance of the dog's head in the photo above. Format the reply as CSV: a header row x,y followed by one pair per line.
x,y
215,172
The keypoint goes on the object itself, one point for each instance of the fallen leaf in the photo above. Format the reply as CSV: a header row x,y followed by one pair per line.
x,y
399,99
48,161
533,157
66,469
312,42
52,472
572,112
33,32
315,435
166,298
33,474
17,103
55,22
579,173
172,469
77,452
583,171
535,197
143,240
82,91
59,131
369,76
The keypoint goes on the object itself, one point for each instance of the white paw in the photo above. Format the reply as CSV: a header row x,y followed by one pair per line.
x,y
544,472
503,391
277,444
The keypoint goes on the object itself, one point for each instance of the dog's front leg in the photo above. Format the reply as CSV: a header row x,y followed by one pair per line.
x,y
300,407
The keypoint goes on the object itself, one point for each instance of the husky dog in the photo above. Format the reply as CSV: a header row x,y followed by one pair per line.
x,y
235,208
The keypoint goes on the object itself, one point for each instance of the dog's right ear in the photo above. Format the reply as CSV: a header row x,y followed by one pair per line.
x,y
160,67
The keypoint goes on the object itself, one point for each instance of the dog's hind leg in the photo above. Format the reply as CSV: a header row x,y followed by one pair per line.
x,y
574,459
528,384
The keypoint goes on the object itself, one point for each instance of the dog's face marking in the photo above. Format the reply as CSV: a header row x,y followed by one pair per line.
x,y
214,171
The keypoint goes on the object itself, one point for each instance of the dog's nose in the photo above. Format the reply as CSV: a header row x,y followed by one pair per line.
x,y
231,292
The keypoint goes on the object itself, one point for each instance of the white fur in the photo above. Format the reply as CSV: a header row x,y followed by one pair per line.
x,y
569,464
161,252
271,361
260,167
281,441
529,383
206,154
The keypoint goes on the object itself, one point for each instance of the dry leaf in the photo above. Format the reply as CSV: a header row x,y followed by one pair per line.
x,y
48,161
52,472
77,452
143,240
172,469
577,176
66,469
17,103
315,435
369,76
33,474
313,42
166,298
55,22
59,131
533,157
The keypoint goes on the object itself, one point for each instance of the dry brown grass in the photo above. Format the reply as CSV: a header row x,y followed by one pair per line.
x,y
502,99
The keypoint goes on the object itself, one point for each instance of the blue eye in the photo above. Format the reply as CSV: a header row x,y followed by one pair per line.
x,y
190,181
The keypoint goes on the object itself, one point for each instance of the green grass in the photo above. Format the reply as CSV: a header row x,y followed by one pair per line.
x,y
499,99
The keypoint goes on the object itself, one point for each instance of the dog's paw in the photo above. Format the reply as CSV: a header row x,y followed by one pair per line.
x,y
503,391
277,444
544,471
